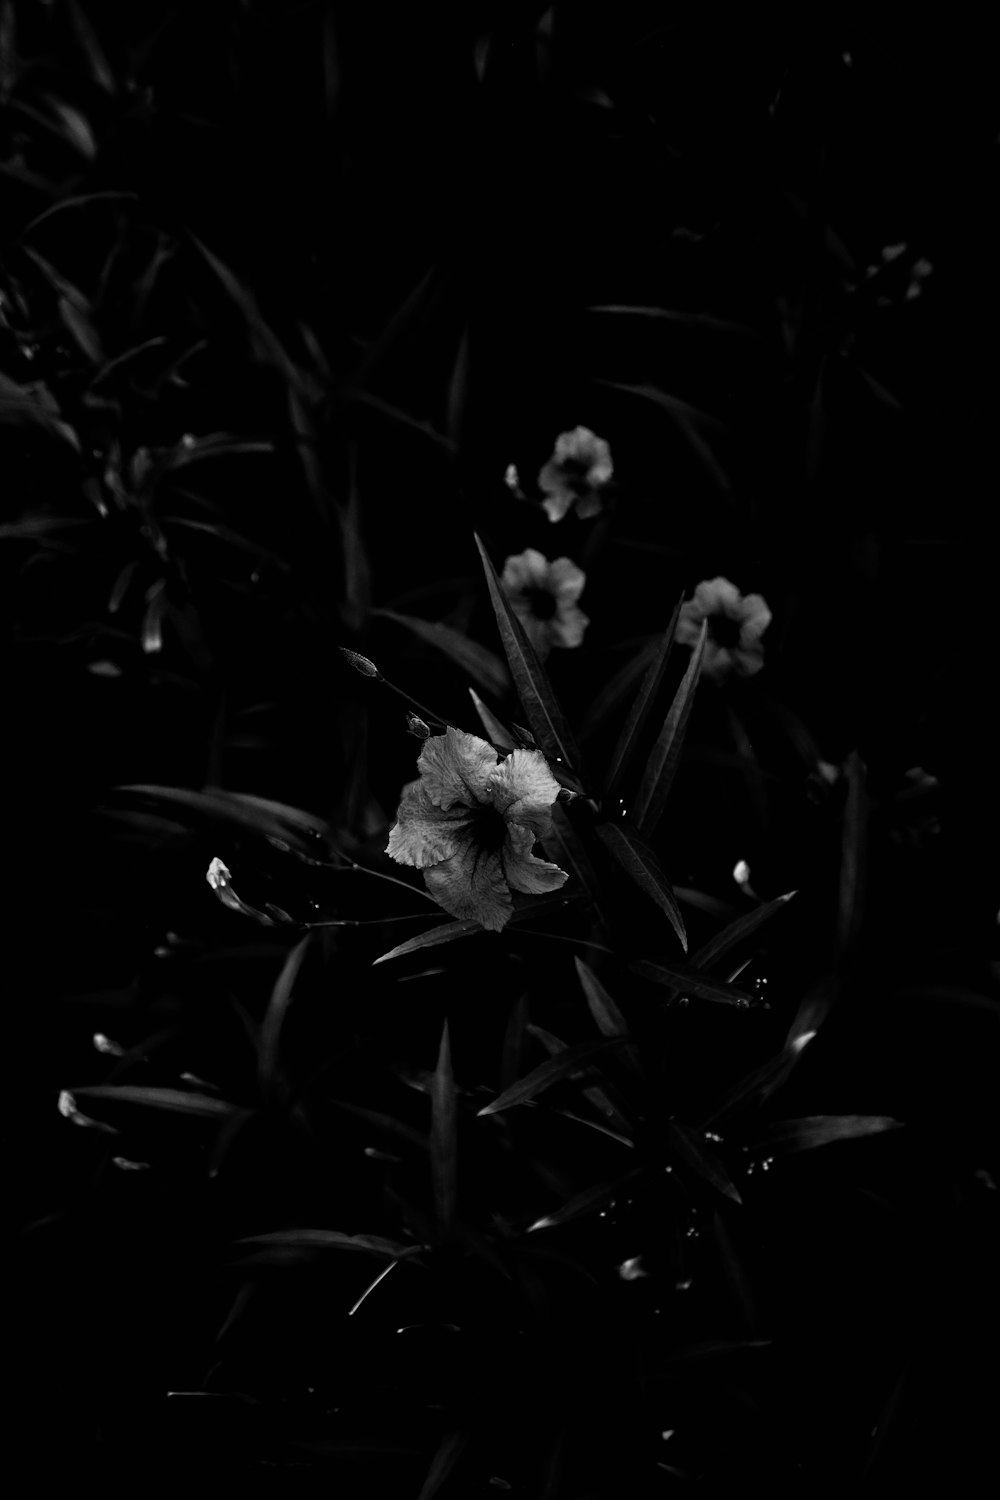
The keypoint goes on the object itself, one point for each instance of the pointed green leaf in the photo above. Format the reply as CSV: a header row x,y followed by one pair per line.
x,y
639,712
607,1017
450,1450
718,946
495,731
568,1064
545,716
564,847
283,825
692,423
698,322
852,859
585,1202
264,341
482,665
641,864
333,1239
819,1130
513,1041
443,1140
432,938
690,1147
605,703
274,1016
175,1101
684,983
609,1112
661,767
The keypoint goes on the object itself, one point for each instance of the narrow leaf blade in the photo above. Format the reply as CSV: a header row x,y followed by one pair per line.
x,y
432,938
684,983
274,1017
700,1158
640,863
545,716
443,1141
566,1065
642,704
724,941
807,1133
661,767
482,665
174,1101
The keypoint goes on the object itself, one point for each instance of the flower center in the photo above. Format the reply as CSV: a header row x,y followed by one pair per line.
x,y
541,603
491,830
725,632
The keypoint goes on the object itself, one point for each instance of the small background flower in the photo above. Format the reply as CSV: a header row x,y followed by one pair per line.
x,y
576,474
736,623
544,597
470,821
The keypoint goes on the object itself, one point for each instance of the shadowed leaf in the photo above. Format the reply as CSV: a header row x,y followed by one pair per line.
x,y
820,1130
481,665
718,946
443,1139
450,1450
585,1202
545,717
333,1239
607,1017
691,1149
175,1101
286,827
564,847
495,731
684,983
446,933
274,1016
568,1064
698,322
641,864
639,712
661,767
689,421
852,859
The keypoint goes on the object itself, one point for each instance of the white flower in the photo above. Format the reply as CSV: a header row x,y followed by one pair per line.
x,y
735,626
470,822
576,474
544,597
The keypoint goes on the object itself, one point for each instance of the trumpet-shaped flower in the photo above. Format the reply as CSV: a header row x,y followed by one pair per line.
x,y
576,474
543,595
469,823
736,623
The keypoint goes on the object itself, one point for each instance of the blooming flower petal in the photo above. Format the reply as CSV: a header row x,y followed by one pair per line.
x,y
525,873
455,769
526,570
717,595
523,788
566,580
575,474
471,886
425,834
735,627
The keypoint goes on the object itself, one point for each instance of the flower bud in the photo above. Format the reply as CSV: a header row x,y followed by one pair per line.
x,y
360,663
417,727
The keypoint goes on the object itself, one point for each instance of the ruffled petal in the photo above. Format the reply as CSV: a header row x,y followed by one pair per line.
x,y
689,623
556,501
526,570
568,625
455,769
717,596
590,504
523,788
747,661
424,834
756,618
717,663
471,886
525,873
566,580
